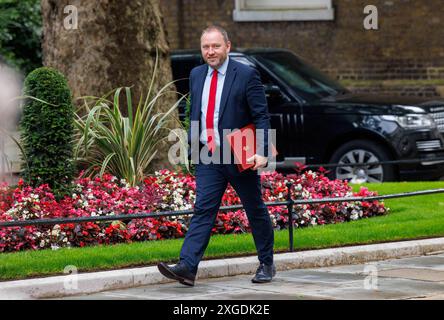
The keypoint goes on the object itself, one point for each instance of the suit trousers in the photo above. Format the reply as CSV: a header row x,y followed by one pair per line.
x,y
211,183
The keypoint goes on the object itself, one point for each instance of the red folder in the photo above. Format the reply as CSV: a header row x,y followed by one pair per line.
x,y
243,146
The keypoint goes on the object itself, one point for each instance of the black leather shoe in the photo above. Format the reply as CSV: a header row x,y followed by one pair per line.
x,y
264,273
179,272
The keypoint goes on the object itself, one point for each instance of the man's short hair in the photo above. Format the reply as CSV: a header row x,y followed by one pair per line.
x,y
216,28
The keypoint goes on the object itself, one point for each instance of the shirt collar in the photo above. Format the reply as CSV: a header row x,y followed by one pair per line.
x,y
222,69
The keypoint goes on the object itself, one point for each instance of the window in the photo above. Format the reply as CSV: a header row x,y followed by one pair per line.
x,y
283,10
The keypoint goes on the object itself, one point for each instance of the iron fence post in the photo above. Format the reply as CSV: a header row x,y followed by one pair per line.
x,y
290,216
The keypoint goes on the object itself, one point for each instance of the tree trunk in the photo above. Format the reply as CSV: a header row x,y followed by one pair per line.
x,y
114,45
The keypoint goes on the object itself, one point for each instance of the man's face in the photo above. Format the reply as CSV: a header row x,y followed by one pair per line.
x,y
214,49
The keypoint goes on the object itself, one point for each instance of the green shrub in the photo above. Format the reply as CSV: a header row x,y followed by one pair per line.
x,y
47,129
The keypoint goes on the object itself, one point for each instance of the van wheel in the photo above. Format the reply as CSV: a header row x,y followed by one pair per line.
x,y
361,151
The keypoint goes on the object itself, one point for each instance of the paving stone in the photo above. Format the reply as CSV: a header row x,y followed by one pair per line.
x,y
356,269
411,288
319,276
435,262
361,294
386,288
257,295
157,292
414,273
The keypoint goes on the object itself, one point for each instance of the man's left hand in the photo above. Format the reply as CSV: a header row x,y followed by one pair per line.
x,y
259,161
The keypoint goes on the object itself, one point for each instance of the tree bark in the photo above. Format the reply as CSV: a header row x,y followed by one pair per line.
x,y
113,46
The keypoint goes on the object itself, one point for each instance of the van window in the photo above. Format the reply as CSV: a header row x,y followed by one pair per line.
x,y
299,75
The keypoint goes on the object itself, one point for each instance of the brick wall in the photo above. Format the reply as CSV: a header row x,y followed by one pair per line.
x,y
409,44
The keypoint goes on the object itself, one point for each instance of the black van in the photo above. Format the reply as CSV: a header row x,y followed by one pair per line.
x,y
318,121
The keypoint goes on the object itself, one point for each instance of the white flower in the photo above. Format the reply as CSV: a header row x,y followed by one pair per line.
x,y
306,194
11,211
354,215
34,196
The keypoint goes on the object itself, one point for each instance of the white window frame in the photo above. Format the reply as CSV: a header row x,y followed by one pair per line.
x,y
283,10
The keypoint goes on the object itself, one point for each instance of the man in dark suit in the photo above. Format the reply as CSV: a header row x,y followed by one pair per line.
x,y
225,95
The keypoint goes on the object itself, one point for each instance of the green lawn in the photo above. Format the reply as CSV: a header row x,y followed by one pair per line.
x,y
409,218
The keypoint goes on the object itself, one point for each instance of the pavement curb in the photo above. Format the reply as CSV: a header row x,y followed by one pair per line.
x,y
87,283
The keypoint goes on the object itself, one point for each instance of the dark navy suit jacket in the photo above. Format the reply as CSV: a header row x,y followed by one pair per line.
x,y
242,102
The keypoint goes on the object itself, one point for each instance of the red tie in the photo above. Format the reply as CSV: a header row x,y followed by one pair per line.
x,y
211,141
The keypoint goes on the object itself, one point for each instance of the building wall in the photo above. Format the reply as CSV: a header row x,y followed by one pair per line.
x,y
408,46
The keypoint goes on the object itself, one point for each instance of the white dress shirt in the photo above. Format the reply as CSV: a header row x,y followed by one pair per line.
x,y
205,95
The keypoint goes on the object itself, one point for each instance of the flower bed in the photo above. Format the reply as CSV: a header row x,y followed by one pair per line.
x,y
163,191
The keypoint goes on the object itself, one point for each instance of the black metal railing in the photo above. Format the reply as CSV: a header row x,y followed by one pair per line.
x,y
386,162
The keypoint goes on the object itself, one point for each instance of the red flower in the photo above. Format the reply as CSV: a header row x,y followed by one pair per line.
x,y
103,196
